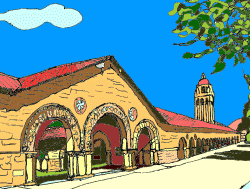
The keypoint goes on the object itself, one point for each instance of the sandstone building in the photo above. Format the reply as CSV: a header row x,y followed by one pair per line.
x,y
104,115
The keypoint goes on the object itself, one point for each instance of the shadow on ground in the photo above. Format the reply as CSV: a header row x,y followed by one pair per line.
x,y
231,155
243,145
40,180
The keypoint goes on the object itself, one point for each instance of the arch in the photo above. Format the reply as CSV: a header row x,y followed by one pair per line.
x,y
202,101
203,89
181,149
191,147
203,145
197,102
206,101
153,134
102,136
198,146
44,113
96,114
210,143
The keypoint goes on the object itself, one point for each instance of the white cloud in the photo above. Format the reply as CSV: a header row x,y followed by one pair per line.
x,y
57,15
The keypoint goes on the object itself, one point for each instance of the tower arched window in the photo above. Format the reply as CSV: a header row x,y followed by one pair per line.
x,y
206,101
202,101
203,89
197,102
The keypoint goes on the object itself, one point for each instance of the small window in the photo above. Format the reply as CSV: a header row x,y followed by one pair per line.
x,y
202,101
203,89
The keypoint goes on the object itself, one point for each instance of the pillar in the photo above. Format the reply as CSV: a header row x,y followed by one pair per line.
x,y
30,168
152,158
156,159
84,164
71,164
129,160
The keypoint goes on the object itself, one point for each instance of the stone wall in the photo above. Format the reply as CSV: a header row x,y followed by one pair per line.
x,y
12,169
167,156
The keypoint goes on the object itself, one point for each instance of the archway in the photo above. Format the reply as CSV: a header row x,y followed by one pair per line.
x,y
106,118
102,150
203,145
143,154
50,112
146,143
51,145
181,154
198,146
191,147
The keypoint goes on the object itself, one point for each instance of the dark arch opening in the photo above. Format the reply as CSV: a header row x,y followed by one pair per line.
x,y
144,146
108,156
181,149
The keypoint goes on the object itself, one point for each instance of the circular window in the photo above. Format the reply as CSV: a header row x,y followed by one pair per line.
x,y
80,105
132,114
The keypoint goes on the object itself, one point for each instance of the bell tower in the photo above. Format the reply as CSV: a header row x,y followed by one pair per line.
x,y
204,101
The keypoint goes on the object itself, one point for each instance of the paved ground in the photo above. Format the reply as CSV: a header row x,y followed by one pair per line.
x,y
225,168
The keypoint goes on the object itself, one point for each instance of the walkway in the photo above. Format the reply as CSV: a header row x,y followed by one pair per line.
x,y
223,168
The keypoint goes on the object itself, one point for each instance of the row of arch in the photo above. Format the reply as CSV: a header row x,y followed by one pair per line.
x,y
199,146
83,140
80,145
201,101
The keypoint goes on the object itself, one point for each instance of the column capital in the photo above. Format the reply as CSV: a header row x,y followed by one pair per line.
x,y
30,154
88,152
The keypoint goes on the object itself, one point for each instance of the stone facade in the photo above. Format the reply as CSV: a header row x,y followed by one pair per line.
x,y
106,91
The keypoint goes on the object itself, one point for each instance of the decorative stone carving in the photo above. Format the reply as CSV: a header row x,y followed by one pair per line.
x,y
132,114
96,114
43,114
80,105
153,134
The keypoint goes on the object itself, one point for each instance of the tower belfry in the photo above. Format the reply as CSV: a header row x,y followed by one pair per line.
x,y
204,100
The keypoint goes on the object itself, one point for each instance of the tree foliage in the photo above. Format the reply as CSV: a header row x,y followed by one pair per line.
x,y
223,25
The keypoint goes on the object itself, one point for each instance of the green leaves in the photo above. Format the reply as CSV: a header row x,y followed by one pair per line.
x,y
195,24
223,25
219,65
212,30
188,55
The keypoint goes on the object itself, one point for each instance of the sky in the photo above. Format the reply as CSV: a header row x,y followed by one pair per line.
x,y
139,35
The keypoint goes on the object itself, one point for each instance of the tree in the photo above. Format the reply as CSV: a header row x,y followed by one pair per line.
x,y
224,26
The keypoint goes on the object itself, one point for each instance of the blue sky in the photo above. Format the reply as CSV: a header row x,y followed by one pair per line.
x,y
139,35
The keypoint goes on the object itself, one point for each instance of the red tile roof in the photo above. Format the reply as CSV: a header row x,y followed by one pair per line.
x,y
13,83
234,125
203,82
53,132
9,82
181,120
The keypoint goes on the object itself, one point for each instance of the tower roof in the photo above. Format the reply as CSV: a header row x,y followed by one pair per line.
x,y
203,80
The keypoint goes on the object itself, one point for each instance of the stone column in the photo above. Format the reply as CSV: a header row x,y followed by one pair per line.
x,y
156,159
76,170
187,153
71,164
129,160
84,165
152,157
30,168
